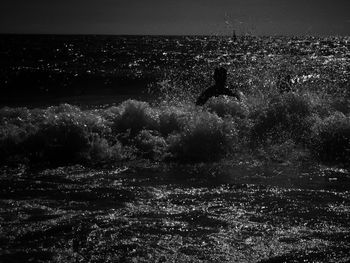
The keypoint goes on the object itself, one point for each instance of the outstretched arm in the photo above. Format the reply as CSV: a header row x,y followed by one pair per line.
x,y
231,93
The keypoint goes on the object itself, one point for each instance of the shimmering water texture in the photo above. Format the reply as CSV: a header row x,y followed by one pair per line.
x,y
155,178
75,214
66,66
295,99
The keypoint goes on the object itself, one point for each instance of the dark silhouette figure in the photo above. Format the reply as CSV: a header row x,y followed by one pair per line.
x,y
234,36
220,76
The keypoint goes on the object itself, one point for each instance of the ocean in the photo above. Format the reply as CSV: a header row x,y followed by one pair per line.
x,y
105,157
58,66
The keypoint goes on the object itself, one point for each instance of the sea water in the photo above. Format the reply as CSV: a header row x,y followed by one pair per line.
x,y
105,157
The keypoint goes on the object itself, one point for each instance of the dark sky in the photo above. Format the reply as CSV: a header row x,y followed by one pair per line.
x,y
269,17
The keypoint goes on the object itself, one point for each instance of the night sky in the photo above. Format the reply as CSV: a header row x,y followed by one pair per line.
x,y
176,17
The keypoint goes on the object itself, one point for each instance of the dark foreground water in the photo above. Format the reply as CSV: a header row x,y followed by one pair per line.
x,y
207,214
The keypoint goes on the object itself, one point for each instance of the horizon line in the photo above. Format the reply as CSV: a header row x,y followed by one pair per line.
x,y
173,35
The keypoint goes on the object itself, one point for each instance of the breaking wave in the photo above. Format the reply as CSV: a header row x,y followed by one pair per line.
x,y
282,127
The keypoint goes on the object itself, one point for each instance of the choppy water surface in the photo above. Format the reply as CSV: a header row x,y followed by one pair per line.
x,y
207,214
177,209
59,67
